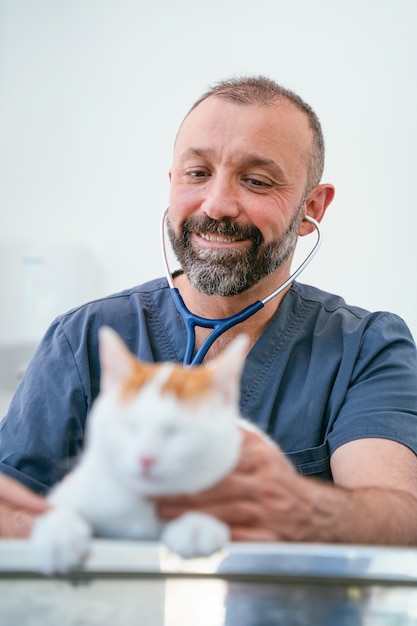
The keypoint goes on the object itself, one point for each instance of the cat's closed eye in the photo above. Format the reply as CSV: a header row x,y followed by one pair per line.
x,y
131,426
171,430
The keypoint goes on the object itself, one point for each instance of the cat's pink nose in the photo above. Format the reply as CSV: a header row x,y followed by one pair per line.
x,y
146,461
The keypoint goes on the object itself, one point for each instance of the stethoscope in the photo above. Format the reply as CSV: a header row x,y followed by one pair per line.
x,y
219,326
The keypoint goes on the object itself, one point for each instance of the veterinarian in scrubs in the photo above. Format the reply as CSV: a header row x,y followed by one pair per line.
x,y
333,385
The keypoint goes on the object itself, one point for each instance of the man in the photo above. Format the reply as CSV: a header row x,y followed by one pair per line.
x,y
334,385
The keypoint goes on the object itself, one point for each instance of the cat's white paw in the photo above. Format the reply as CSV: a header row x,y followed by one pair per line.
x,y
60,541
195,534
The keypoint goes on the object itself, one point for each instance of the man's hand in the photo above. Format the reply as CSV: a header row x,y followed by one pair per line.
x,y
265,499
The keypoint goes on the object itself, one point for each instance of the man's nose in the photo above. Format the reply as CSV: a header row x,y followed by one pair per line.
x,y
221,199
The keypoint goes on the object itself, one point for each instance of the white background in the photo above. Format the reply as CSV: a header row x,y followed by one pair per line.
x,y
92,93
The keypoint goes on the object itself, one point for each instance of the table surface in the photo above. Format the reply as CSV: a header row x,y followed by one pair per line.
x,y
126,583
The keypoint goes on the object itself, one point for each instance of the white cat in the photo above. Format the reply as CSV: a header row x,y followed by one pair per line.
x,y
155,429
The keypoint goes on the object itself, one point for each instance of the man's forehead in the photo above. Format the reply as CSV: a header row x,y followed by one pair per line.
x,y
279,115
279,104
278,131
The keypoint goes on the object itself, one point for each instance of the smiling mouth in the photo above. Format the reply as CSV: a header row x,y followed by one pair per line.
x,y
214,238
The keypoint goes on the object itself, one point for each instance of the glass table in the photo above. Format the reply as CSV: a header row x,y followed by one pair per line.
x,y
142,583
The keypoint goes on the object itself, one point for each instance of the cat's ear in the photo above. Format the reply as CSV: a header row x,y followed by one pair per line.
x,y
227,368
116,361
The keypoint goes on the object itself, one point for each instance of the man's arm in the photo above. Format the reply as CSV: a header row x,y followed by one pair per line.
x,y
373,500
17,508
15,523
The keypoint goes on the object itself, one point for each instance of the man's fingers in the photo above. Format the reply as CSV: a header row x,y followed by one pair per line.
x,y
225,493
233,512
247,533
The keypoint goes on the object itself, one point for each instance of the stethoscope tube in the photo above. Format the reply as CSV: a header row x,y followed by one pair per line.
x,y
221,325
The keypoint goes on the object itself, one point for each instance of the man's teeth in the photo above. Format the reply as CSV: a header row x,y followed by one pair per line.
x,y
217,238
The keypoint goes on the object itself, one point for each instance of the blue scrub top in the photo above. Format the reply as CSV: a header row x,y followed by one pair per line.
x,y
322,374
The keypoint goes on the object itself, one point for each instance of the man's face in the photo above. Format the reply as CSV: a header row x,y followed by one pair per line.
x,y
237,188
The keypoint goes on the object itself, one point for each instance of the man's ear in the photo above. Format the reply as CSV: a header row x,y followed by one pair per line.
x,y
316,204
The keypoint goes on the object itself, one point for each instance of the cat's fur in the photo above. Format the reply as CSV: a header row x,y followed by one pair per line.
x,y
155,429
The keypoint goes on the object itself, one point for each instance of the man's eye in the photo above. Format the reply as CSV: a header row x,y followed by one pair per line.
x,y
255,182
197,174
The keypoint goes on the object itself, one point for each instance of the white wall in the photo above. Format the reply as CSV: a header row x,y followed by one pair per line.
x,y
92,92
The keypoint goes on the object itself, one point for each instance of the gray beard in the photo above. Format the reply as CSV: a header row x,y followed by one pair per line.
x,y
230,272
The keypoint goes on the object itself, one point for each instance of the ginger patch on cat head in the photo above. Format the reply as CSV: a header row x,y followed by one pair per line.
x,y
141,374
186,384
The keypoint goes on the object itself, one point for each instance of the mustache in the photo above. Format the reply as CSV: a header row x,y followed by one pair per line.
x,y
225,227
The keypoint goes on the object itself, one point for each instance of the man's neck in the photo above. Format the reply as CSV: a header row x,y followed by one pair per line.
x,y
218,307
